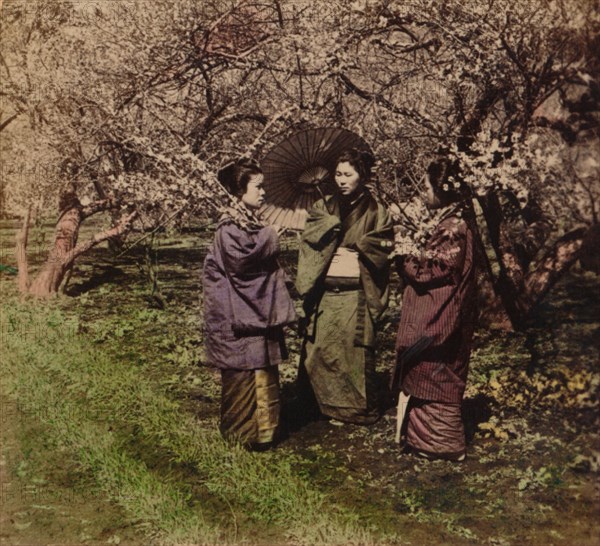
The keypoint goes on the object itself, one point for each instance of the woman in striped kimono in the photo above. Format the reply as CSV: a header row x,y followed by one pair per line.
x,y
438,315
246,306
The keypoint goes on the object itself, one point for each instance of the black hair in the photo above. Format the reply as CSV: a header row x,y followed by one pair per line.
x,y
361,160
446,183
236,175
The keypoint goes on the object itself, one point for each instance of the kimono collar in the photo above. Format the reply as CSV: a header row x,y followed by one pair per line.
x,y
350,211
241,218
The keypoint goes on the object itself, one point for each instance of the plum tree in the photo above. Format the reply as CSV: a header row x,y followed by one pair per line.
x,y
146,104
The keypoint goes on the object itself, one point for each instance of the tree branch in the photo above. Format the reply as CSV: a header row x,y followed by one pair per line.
x,y
408,49
8,121
97,206
382,101
557,260
115,231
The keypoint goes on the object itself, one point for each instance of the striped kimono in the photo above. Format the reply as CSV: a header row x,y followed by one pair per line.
x,y
438,305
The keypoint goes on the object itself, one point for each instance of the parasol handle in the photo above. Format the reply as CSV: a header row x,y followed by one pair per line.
x,y
323,197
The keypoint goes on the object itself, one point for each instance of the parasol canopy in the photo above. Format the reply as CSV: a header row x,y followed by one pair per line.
x,y
300,169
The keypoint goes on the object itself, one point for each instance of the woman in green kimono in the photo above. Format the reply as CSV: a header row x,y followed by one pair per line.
x,y
343,274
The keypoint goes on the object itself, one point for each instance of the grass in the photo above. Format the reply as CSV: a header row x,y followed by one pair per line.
x,y
114,381
47,379
96,401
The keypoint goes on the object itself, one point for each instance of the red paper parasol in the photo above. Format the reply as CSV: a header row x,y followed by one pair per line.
x,y
300,169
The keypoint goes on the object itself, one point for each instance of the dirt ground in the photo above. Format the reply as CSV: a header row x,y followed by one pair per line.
x,y
531,474
531,416
478,501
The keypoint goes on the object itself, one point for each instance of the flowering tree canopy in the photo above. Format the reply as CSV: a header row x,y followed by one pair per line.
x,y
497,97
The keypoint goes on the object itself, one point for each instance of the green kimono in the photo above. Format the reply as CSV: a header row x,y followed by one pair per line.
x,y
338,354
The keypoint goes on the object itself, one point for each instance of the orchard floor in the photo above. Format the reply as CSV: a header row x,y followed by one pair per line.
x,y
44,500
531,414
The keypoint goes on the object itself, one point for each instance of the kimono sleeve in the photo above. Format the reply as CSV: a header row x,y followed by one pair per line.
x,y
375,246
241,251
443,260
318,244
321,226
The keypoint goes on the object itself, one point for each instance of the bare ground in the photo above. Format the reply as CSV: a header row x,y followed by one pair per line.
x,y
531,413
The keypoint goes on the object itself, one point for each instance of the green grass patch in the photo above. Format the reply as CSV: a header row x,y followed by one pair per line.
x,y
90,402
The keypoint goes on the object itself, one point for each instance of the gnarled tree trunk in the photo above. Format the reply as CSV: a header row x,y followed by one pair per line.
x,y
65,249
553,265
518,287
53,271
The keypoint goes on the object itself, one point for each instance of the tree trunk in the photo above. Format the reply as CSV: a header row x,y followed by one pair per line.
x,y
589,256
21,254
51,275
492,312
65,248
555,263
507,283
519,288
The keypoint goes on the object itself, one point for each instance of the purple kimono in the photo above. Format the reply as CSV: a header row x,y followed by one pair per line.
x,y
246,302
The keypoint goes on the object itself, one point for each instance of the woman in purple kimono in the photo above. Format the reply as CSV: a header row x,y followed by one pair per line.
x,y
246,306
435,333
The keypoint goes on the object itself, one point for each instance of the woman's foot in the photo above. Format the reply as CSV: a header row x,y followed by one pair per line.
x,y
453,457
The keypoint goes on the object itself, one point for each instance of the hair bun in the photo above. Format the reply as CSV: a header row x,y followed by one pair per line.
x,y
367,158
226,175
235,175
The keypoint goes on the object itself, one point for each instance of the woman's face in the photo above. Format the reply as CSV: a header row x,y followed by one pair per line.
x,y
255,192
346,178
431,199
